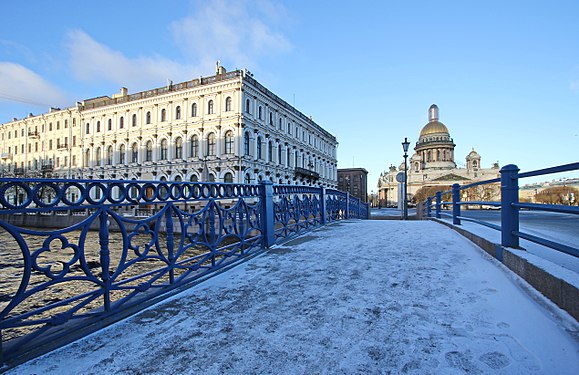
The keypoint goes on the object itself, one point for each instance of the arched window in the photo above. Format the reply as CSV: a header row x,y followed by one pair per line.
x,y
110,125
229,142
134,121
247,106
210,107
149,151
135,153
98,157
270,119
179,148
228,104
98,127
247,178
194,145
109,160
417,166
474,163
164,148
289,158
178,113
270,151
148,118
289,128
87,129
163,115
228,177
194,110
122,154
121,122
178,178
259,113
259,146
246,143
211,177
211,144
194,178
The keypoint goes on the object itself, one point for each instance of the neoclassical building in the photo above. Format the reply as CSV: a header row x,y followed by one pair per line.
x,y
226,127
433,165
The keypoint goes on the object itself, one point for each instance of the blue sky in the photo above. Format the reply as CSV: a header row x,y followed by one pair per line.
x,y
505,74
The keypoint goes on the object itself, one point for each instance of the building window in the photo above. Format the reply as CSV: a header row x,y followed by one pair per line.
x,y
211,144
148,117
259,113
149,151
229,142
98,157
122,154
163,115
49,146
135,120
109,160
87,128
194,110
121,122
98,127
179,148
178,113
279,155
280,124
135,153
164,148
210,107
228,104
270,119
247,178
57,127
228,178
211,177
247,106
49,129
110,125
270,151
246,144
259,146
194,178
289,164
194,144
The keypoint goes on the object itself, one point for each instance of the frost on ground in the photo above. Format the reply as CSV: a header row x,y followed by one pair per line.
x,y
363,297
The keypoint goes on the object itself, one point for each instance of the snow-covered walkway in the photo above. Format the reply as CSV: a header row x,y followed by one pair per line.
x,y
359,297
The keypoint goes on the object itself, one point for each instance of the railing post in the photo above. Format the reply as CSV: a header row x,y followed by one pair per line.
x,y
323,205
438,203
104,258
267,213
428,206
509,213
455,204
347,213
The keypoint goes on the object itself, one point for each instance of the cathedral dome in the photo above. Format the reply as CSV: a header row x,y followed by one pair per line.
x,y
433,127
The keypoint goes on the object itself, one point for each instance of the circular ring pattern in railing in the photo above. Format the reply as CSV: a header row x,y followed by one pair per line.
x,y
68,189
97,189
42,195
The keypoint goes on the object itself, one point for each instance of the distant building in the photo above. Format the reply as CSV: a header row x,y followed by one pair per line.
x,y
224,128
432,166
354,181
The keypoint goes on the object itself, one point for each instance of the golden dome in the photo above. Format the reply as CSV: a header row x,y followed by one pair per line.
x,y
433,127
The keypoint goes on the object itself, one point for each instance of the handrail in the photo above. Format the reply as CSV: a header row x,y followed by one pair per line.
x,y
122,244
509,205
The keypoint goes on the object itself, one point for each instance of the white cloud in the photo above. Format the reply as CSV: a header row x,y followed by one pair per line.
x,y
92,61
20,84
237,32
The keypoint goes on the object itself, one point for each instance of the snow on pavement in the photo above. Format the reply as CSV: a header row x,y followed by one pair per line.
x,y
359,297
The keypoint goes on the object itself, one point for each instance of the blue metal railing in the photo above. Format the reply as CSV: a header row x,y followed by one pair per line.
x,y
115,245
509,205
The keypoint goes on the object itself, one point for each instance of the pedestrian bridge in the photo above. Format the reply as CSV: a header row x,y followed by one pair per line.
x,y
351,297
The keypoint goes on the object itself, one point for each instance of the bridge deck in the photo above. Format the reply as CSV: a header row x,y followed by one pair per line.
x,y
354,297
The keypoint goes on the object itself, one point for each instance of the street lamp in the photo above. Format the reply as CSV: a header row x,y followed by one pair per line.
x,y
405,145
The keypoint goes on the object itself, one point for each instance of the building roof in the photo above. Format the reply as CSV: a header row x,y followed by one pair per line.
x,y
433,127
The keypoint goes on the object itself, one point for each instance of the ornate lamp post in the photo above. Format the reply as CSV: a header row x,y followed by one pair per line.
x,y
405,145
